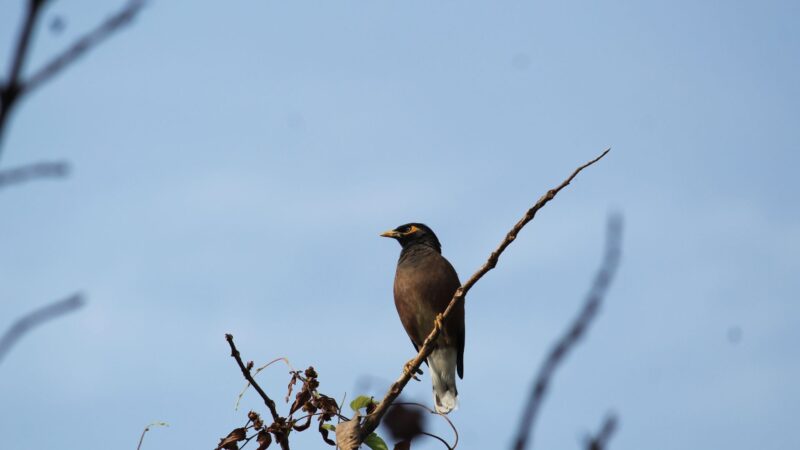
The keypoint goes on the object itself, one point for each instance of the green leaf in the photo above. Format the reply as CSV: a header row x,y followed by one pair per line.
x,y
362,401
329,426
375,442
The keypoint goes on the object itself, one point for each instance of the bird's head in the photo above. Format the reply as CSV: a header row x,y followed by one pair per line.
x,y
412,234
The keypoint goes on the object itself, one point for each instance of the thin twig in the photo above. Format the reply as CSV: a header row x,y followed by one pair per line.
x,y
146,429
573,334
341,405
302,418
36,318
46,169
284,443
85,43
247,441
247,385
372,421
443,416
600,440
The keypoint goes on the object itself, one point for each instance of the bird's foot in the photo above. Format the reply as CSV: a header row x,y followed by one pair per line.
x,y
407,370
438,321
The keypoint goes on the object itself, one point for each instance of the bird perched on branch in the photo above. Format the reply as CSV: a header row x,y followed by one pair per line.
x,y
423,287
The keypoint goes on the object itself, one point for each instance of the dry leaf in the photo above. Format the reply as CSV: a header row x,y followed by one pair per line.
x,y
230,442
347,434
264,439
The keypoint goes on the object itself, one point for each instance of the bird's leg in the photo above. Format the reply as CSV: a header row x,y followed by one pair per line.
x,y
438,321
407,370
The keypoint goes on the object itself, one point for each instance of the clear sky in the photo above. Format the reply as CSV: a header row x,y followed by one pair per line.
x,y
234,163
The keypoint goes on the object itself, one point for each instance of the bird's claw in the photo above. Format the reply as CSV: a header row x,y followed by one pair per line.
x,y
407,369
438,321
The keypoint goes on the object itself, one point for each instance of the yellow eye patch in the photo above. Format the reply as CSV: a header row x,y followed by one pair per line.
x,y
411,230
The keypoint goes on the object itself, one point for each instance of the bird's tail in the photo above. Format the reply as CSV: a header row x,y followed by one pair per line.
x,y
443,374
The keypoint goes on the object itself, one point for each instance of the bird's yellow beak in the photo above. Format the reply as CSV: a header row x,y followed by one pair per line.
x,y
390,234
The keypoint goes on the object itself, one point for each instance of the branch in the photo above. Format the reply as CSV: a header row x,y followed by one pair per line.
x,y
372,421
146,429
85,43
15,88
247,385
36,318
9,93
21,52
46,169
284,442
574,333
600,441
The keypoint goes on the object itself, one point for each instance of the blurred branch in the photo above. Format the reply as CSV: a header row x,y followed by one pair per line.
x,y
9,92
284,442
430,411
600,441
85,43
372,420
14,88
574,333
46,169
36,318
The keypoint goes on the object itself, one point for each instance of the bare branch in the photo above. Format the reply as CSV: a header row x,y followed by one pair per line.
x,y
24,40
247,385
10,92
36,318
45,169
146,429
372,421
574,333
15,88
85,43
600,441
284,442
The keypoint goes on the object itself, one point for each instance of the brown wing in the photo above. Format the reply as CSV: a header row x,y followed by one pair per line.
x,y
456,326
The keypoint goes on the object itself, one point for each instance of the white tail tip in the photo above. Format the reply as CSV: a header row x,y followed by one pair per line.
x,y
446,403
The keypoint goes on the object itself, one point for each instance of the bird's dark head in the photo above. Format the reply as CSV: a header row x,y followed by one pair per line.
x,y
412,234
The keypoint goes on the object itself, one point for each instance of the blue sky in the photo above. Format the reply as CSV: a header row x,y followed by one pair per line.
x,y
234,164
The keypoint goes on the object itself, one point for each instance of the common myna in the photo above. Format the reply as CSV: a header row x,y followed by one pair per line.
x,y
423,286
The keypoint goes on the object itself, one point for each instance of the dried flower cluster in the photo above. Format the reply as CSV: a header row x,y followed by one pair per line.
x,y
308,401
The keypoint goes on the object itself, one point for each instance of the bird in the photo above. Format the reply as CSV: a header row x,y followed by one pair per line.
x,y
424,284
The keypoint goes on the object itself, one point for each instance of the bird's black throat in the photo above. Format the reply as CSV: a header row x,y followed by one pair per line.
x,y
419,249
